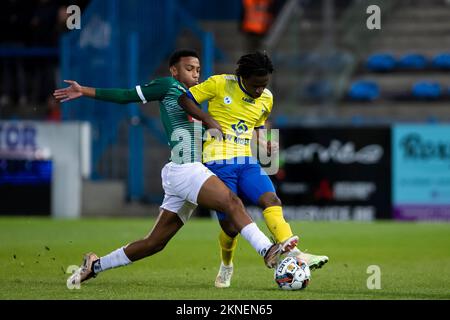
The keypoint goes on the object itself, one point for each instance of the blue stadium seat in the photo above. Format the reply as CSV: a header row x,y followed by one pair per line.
x,y
381,62
414,61
364,90
319,90
441,61
427,90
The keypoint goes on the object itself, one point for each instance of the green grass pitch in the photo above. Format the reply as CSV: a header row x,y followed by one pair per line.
x,y
414,260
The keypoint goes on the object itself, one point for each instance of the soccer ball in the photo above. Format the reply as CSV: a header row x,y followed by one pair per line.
x,y
292,273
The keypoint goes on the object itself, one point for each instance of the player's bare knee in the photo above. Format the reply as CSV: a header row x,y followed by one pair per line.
x,y
230,230
227,203
234,203
270,200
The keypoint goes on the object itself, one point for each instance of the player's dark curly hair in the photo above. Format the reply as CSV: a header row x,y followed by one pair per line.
x,y
257,64
178,54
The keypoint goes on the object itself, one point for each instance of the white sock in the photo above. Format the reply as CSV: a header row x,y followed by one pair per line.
x,y
256,238
115,259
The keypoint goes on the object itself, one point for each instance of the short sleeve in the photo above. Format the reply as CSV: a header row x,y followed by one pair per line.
x,y
265,115
155,90
261,122
206,90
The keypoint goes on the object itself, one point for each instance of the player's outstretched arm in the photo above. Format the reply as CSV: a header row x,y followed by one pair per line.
x,y
193,110
74,91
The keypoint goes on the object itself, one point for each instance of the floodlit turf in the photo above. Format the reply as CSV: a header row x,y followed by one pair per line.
x,y
414,259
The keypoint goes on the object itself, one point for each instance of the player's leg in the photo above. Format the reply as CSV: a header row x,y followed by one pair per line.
x,y
211,192
169,222
215,195
198,185
174,212
228,174
228,233
273,215
228,238
227,245
255,184
166,226
227,241
273,212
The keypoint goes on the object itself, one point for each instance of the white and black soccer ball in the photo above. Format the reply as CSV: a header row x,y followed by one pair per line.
x,y
292,273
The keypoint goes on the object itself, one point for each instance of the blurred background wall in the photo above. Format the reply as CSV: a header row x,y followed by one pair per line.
x,y
363,111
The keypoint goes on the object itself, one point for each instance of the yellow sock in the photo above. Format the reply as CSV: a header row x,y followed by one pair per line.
x,y
227,245
280,229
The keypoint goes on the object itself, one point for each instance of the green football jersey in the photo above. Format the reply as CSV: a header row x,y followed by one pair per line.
x,y
184,134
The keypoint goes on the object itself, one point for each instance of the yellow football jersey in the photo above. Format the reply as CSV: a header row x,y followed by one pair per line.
x,y
237,113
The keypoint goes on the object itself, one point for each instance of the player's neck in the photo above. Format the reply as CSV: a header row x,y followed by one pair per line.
x,y
242,86
182,83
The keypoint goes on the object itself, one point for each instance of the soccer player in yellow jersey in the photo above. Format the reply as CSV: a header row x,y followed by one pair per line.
x,y
240,104
186,181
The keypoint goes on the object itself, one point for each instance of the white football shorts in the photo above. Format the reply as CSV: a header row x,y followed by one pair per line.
x,y
181,184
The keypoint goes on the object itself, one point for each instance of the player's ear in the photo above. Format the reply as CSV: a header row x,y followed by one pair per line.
x,y
173,70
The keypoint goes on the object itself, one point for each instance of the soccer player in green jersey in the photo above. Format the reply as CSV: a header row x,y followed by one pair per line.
x,y
241,104
186,181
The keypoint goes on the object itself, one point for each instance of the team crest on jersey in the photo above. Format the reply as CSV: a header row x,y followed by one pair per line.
x,y
239,128
227,100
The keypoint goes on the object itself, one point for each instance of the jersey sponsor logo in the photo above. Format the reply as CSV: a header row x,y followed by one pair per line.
x,y
241,141
337,151
249,100
239,128
227,100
